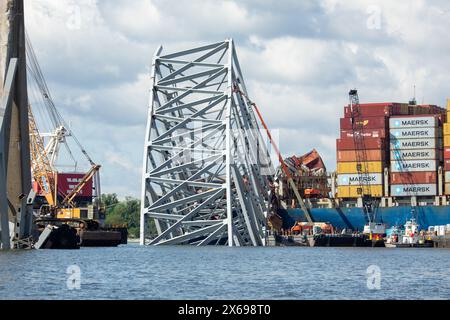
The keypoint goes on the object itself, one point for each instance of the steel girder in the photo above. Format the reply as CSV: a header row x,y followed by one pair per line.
x,y
206,165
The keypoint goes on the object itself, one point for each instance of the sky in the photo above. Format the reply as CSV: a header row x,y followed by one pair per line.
x,y
299,60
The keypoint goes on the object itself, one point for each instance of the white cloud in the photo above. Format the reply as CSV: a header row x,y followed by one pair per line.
x,y
299,60
147,20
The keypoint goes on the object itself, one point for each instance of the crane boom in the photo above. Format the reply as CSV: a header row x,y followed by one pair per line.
x,y
53,113
76,191
59,137
361,154
40,165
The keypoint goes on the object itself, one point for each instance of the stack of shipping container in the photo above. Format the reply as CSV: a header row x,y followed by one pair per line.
x,y
405,139
447,151
374,120
415,149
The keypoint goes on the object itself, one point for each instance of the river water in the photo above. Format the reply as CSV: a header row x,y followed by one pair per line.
x,y
134,272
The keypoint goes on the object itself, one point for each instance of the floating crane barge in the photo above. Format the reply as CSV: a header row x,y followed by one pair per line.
x,y
40,206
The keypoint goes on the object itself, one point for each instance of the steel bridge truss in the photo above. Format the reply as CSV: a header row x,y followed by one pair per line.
x,y
206,165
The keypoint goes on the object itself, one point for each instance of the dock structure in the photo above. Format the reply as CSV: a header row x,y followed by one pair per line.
x,y
206,167
15,175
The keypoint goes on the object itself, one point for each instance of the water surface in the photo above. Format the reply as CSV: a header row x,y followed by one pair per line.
x,y
134,272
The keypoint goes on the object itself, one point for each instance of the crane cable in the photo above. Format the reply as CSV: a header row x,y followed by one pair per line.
x,y
280,157
55,116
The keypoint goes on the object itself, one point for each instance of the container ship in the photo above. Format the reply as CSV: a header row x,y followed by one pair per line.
x,y
406,160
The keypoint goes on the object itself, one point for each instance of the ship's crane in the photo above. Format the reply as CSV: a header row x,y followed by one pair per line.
x,y
368,202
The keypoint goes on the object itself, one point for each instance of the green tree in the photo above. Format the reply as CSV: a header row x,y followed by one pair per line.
x,y
125,212
110,199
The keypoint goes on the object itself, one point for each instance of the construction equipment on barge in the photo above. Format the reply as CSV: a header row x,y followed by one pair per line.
x,y
64,199
64,216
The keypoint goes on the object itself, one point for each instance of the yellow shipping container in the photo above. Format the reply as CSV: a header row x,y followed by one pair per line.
x,y
351,167
356,191
446,141
446,129
447,189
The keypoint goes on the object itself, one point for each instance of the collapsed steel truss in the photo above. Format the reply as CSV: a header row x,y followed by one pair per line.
x,y
206,166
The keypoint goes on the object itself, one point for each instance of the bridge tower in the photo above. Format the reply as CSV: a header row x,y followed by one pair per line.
x,y
15,175
206,168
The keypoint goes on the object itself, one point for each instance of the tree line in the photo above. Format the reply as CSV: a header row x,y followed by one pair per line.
x,y
125,212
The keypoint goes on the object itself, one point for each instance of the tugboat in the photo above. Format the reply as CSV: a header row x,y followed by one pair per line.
x,y
375,230
375,233
409,237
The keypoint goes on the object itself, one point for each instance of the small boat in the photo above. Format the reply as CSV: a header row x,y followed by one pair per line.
x,y
371,237
375,233
375,230
408,237
340,240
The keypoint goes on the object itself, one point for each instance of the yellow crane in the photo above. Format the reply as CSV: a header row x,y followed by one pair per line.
x,y
45,176
60,204
40,165
66,199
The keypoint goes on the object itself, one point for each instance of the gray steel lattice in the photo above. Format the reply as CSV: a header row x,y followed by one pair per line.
x,y
206,165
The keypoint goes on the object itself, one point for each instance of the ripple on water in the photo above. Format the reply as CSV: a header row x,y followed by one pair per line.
x,y
134,272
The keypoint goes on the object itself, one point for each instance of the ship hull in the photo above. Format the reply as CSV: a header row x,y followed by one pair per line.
x,y
355,219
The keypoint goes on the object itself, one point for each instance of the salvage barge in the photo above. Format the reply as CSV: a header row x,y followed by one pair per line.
x,y
76,233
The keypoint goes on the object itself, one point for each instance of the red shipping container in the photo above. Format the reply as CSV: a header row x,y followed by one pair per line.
x,y
400,109
370,143
368,123
426,109
413,177
446,153
432,109
447,164
367,133
68,181
371,110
